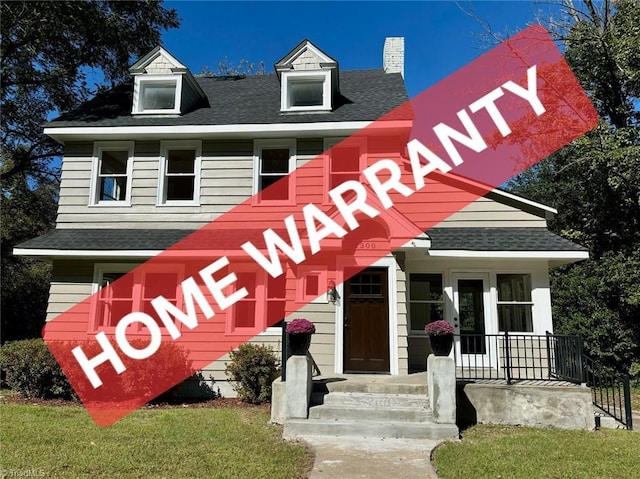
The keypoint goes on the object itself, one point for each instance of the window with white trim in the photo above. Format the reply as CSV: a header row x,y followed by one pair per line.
x,y
514,303
426,300
132,291
312,285
266,299
273,161
180,173
155,94
112,171
306,91
344,160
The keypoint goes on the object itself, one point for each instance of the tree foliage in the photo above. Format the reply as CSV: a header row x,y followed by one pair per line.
x,y
595,183
53,55
49,51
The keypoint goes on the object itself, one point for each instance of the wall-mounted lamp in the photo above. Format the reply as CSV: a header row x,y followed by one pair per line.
x,y
332,293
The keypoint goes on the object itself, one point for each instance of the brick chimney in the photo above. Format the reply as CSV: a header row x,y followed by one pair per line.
x,y
393,55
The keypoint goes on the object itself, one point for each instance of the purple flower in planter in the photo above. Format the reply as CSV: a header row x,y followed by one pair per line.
x,y
300,326
439,328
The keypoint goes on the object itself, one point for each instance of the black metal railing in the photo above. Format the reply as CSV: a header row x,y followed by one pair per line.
x,y
611,392
284,355
513,356
284,350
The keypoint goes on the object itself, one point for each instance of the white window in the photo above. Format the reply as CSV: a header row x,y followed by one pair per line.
x,y
266,300
273,161
130,291
180,163
426,300
344,159
112,170
514,303
157,94
304,91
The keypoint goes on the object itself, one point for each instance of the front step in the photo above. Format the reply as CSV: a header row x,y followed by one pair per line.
x,y
301,428
359,414
371,400
369,410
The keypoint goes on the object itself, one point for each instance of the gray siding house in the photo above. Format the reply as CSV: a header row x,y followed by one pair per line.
x,y
154,159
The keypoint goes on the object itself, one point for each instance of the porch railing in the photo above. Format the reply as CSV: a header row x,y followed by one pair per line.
x,y
551,357
512,356
611,392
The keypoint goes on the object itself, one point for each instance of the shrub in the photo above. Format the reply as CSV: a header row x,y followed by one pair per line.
x,y
252,370
32,370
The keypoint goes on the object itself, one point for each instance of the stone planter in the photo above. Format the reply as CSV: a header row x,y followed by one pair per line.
x,y
299,344
441,345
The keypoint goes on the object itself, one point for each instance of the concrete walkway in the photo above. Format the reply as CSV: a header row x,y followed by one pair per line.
x,y
372,458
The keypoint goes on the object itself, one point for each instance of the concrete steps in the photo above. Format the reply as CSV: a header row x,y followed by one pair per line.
x,y
302,428
361,409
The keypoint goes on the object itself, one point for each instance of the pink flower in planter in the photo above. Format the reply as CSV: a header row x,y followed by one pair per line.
x,y
301,326
439,328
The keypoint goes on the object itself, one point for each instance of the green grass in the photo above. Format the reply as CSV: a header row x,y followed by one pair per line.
x,y
150,443
521,452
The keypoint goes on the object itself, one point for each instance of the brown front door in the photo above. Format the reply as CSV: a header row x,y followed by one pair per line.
x,y
366,322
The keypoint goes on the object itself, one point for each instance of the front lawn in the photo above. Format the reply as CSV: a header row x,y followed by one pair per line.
x,y
521,452
226,442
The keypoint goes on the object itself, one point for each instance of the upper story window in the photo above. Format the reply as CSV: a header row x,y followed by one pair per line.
x,y
344,160
308,79
112,171
514,303
180,173
163,85
273,161
426,300
157,94
304,91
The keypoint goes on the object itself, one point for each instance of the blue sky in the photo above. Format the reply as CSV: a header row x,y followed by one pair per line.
x,y
439,36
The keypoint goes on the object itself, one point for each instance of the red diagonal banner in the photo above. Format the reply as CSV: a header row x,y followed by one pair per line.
x,y
381,188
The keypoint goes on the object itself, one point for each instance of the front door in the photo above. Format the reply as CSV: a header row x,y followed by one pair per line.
x,y
366,322
471,301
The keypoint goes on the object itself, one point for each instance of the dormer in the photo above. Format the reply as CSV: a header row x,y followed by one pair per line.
x,y
163,85
308,79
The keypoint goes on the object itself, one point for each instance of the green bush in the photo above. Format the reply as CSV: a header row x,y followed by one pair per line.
x,y
31,369
252,370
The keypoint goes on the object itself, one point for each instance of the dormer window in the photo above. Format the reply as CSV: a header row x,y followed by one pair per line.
x,y
308,79
157,94
163,85
304,91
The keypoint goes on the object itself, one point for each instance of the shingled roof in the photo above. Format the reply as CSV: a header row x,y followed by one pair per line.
x,y
472,239
366,95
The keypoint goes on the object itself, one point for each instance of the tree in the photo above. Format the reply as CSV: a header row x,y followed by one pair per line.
x,y
595,182
50,52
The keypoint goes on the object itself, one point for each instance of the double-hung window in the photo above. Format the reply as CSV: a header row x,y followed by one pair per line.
x,y
426,300
112,171
514,303
130,291
180,173
344,160
273,161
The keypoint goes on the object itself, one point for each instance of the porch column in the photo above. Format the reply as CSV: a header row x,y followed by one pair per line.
x,y
298,386
441,382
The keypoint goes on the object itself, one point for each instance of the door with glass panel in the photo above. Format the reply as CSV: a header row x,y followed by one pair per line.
x,y
471,302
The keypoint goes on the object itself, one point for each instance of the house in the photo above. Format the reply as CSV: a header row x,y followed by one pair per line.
x,y
156,158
